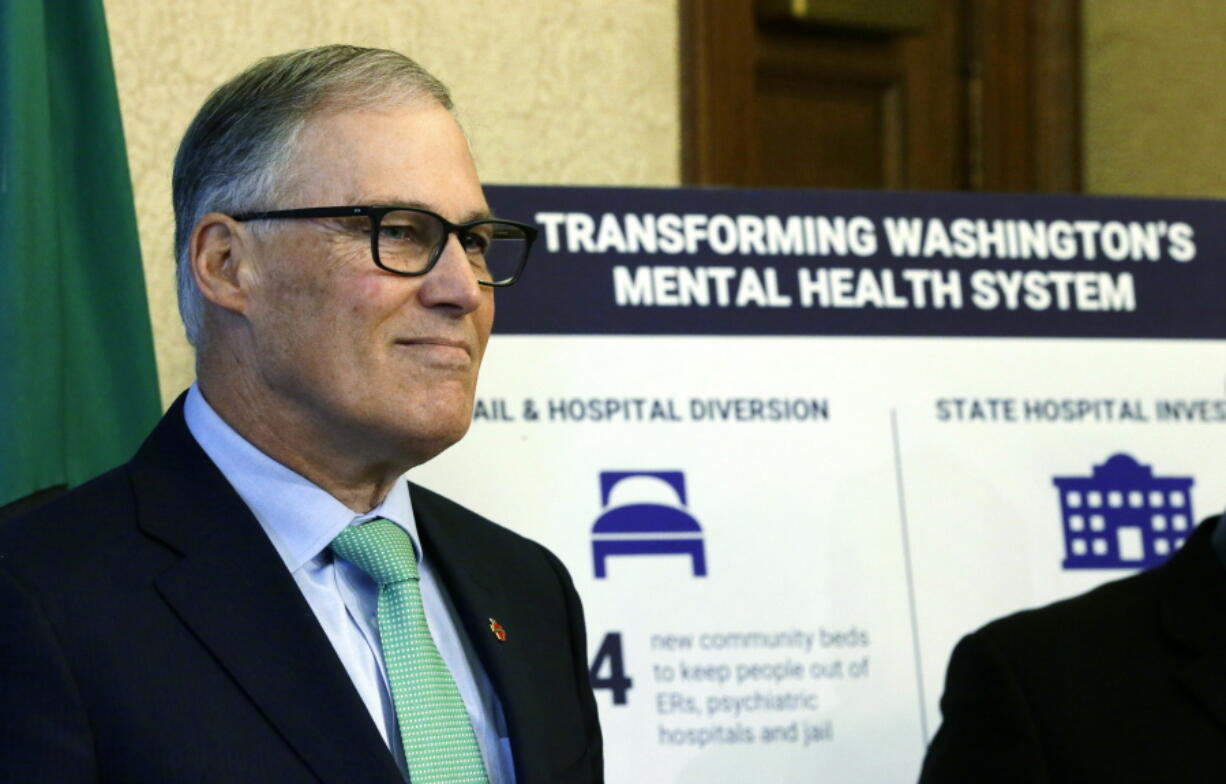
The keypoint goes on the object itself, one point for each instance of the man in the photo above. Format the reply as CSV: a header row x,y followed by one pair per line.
x,y
260,595
1126,683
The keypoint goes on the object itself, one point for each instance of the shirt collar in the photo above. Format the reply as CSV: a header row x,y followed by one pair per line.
x,y
299,517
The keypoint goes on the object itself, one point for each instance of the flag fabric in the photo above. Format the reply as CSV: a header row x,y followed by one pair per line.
x,y
78,383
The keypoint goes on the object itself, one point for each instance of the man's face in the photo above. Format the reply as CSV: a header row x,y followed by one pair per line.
x,y
376,363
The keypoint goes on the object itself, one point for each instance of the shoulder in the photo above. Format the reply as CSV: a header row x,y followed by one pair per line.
x,y
100,518
79,556
1096,618
463,535
1070,691
1122,614
1084,644
84,520
435,510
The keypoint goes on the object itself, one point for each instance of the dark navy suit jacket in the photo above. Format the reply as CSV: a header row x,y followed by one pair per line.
x,y
150,633
1124,684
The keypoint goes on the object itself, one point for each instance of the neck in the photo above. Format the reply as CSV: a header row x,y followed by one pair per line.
x,y
347,466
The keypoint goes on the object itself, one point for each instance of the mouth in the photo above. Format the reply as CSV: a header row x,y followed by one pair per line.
x,y
438,350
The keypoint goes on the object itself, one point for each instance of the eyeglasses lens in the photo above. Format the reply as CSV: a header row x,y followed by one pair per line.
x,y
408,239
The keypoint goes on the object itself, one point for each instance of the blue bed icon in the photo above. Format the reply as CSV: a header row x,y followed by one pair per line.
x,y
648,528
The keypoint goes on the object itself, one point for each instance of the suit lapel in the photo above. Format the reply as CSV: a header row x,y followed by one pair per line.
x,y
233,591
472,574
1193,607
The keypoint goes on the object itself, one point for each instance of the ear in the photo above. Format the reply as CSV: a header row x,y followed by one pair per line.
x,y
220,253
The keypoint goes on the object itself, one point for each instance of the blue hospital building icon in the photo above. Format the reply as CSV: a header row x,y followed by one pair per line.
x,y
1122,516
646,528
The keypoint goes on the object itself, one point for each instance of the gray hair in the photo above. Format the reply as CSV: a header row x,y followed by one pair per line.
x,y
237,152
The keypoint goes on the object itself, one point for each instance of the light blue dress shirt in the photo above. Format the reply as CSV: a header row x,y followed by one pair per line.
x,y
301,519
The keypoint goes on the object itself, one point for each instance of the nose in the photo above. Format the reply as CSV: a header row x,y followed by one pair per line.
x,y
452,283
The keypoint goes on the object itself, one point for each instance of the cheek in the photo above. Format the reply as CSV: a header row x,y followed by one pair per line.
x,y
302,309
351,279
368,291
323,295
300,318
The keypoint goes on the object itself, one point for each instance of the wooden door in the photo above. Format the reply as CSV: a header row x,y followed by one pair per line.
x,y
917,94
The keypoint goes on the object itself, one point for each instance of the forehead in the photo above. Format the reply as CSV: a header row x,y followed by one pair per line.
x,y
414,154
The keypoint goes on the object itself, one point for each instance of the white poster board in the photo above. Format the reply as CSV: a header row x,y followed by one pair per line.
x,y
791,455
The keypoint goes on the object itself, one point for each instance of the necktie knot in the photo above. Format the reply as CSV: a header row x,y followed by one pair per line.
x,y
380,548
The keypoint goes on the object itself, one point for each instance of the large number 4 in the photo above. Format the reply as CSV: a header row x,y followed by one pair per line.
x,y
610,657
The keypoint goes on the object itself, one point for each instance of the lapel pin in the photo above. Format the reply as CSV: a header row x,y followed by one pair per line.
x,y
498,631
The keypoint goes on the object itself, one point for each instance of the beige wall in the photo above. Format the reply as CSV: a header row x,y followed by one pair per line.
x,y
550,91
586,91
1155,104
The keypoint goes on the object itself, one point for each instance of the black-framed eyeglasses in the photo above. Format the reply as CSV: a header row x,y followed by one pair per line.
x,y
410,240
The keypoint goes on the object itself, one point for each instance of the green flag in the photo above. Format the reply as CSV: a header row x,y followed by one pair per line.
x,y
78,385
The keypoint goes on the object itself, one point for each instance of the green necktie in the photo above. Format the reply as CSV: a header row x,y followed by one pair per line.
x,y
438,739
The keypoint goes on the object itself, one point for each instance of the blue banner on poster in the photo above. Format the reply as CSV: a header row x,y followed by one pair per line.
x,y
640,261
